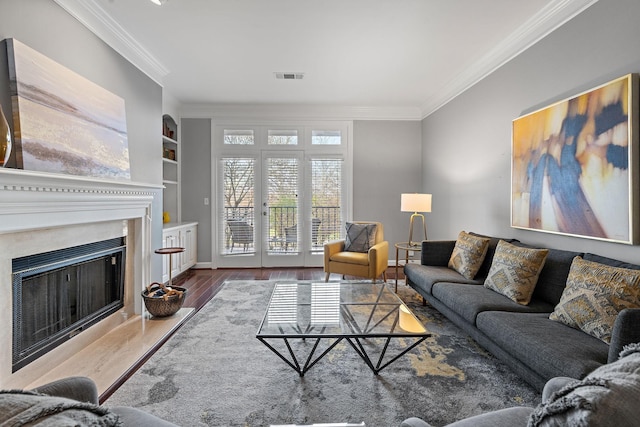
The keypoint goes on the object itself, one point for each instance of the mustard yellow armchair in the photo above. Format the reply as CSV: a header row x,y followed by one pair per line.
x,y
370,264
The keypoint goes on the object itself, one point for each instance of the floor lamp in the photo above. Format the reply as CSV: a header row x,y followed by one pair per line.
x,y
415,202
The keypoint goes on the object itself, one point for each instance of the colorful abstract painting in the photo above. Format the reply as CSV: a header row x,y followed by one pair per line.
x,y
574,165
64,123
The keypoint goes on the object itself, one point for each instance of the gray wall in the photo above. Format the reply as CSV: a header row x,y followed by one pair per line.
x,y
196,180
467,143
386,163
47,28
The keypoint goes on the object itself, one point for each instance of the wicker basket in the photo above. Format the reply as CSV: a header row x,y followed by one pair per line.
x,y
161,307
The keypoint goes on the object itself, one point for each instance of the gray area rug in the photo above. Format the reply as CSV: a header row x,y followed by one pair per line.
x,y
214,372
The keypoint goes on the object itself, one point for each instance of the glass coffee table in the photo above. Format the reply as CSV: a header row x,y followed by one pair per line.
x,y
305,321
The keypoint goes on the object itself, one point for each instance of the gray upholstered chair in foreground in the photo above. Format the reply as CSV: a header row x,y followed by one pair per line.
x,y
69,401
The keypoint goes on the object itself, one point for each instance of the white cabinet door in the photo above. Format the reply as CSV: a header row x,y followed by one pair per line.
x,y
189,242
182,236
170,239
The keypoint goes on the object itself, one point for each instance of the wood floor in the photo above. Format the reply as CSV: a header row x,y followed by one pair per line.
x,y
202,285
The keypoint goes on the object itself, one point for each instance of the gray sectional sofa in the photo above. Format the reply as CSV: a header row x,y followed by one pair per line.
x,y
535,347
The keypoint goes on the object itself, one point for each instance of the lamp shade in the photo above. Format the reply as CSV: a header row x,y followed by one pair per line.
x,y
415,202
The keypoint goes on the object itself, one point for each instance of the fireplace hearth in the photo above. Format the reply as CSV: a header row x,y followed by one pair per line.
x,y
58,294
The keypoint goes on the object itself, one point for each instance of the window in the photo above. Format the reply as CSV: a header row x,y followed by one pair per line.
x,y
282,202
237,205
326,200
326,137
238,137
282,137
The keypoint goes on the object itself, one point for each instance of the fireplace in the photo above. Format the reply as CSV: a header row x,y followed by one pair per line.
x,y
58,294
42,213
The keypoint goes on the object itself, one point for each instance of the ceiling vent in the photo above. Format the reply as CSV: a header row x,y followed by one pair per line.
x,y
289,76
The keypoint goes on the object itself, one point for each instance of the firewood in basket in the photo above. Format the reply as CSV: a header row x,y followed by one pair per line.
x,y
171,292
162,291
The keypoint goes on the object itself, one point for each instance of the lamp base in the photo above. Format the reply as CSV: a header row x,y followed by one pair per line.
x,y
413,216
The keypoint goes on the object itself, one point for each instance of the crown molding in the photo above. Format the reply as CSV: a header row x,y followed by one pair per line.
x,y
98,21
299,112
551,17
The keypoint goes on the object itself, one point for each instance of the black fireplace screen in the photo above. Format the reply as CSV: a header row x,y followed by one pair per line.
x,y
58,294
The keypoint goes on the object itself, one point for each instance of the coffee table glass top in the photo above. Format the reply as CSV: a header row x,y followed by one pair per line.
x,y
310,309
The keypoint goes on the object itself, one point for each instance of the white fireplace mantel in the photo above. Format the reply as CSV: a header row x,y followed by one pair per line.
x,y
41,211
31,200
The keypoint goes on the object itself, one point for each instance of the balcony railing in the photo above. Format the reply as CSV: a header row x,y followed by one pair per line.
x,y
282,234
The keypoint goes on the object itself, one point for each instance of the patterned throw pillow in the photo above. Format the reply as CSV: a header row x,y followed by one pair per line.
x,y
594,295
360,237
514,271
468,254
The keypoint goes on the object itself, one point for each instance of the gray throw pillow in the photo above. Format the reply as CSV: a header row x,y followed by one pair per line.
x,y
360,237
607,397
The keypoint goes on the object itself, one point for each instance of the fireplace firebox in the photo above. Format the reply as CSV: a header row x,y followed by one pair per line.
x,y
58,294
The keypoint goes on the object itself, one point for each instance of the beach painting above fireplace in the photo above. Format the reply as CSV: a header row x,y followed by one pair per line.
x,y
575,165
64,123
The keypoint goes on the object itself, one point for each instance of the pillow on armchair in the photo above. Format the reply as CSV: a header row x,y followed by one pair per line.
x,y
359,237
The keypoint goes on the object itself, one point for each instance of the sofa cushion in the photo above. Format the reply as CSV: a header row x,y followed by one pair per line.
x,y
423,277
553,277
436,252
549,348
359,237
594,296
469,300
361,258
468,254
606,397
514,271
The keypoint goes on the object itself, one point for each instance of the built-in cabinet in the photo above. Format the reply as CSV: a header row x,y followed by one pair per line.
x,y
175,233
179,236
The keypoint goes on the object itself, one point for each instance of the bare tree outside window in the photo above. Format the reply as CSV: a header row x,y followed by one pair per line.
x,y
238,187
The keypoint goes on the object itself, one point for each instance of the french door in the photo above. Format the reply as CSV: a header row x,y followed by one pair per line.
x,y
276,205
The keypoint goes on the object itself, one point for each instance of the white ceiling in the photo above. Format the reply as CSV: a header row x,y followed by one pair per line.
x,y
405,54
